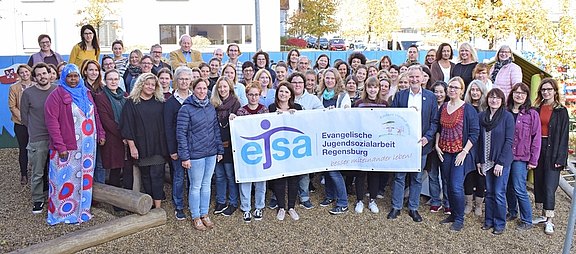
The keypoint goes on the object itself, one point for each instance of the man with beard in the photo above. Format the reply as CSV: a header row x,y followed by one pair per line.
x,y
32,113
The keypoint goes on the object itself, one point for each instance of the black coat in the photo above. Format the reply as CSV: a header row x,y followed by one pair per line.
x,y
557,150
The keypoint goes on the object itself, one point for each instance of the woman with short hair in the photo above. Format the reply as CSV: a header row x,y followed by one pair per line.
x,y
494,157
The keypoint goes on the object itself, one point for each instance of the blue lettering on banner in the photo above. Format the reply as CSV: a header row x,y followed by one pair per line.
x,y
277,149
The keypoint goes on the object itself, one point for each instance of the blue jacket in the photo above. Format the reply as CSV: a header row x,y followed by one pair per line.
x,y
171,108
470,133
501,143
427,113
197,130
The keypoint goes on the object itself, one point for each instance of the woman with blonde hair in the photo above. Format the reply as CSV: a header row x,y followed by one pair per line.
x,y
268,93
142,126
467,61
226,102
331,92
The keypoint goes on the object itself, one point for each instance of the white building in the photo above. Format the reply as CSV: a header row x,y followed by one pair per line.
x,y
139,23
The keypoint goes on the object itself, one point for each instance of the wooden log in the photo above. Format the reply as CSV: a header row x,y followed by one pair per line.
x,y
99,234
130,200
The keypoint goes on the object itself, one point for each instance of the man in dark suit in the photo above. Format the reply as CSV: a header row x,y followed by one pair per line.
x,y
424,102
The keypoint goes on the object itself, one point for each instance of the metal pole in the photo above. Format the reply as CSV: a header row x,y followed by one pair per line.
x,y
570,226
257,14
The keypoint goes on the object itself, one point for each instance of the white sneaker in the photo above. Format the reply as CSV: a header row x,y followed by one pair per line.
x,y
359,207
293,214
538,220
373,206
549,229
281,214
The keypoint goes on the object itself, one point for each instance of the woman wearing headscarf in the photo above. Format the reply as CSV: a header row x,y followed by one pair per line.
x,y
504,73
73,124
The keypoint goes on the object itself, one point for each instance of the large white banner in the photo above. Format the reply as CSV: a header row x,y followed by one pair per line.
x,y
270,146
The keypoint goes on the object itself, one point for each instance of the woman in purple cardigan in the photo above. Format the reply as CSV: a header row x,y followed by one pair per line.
x,y
526,151
504,73
73,123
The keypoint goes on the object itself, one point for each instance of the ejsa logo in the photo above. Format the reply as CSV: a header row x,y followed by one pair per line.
x,y
278,149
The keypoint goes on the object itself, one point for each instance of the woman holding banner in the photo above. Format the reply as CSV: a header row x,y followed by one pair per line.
x,y
253,91
284,102
370,98
332,95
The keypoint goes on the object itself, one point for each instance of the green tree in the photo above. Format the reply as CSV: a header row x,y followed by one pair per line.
x,y
315,17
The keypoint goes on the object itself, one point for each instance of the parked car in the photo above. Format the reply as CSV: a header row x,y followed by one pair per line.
x,y
322,44
336,44
357,45
311,41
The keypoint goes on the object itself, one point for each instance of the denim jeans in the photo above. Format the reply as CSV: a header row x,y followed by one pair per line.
x,y
434,183
99,170
336,188
496,198
415,188
455,176
37,155
516,193
246,195
304,187
178,184
225,181
200,175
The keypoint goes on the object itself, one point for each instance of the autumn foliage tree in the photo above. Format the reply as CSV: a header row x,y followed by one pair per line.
x,y
376,19
495,20
315,17
95,12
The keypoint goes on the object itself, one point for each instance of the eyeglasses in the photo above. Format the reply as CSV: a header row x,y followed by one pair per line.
x,y
546,89
505,52
252,95
112,79
518,93
454,88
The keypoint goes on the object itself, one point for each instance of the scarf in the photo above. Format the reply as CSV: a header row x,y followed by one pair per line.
x,y
499,66
116,100
134,70
225,109
488,123
328,95
78,93
201,103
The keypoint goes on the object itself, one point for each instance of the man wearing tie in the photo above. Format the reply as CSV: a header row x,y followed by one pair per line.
x,y
185,56
424,102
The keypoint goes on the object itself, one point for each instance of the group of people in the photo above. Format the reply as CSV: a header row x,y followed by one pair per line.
x,y
480,131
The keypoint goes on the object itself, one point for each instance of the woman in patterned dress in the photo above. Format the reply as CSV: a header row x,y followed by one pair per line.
x,y
73,124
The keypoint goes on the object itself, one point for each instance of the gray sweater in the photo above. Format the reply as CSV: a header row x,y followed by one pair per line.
x,y
32,112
